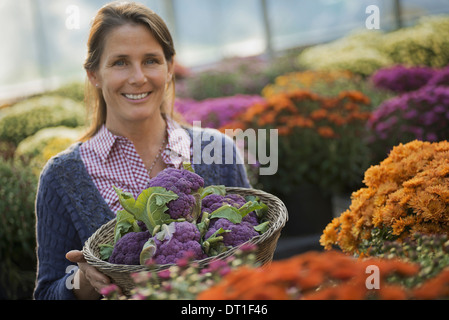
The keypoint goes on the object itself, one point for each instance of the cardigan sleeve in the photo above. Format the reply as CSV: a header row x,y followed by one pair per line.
x,y
217,159
56,235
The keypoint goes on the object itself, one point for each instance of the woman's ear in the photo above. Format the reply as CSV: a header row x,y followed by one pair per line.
x,y
93,79
171,70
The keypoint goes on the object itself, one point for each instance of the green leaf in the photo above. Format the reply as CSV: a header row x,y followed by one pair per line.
x,y
203,226
227,212
214,244
105,251
250,206
216,189
263,227
148,251
126,199
150,205
166,232
260,212
188,166
156,205
125,222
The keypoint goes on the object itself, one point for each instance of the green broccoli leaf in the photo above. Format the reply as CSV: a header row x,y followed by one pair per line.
x,y
126,200
148,251
261,212
105,251
125,222
156,205
149,207
188,166
250,206
166,232
227,212
263,227
214,244
217,189
203,225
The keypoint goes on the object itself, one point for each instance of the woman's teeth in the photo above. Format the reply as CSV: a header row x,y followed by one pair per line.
x,y
136,96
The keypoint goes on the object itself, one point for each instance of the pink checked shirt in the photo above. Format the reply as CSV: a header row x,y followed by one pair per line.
x,y
113,161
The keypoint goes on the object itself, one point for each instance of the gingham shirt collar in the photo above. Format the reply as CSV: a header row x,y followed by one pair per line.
x,y
177,150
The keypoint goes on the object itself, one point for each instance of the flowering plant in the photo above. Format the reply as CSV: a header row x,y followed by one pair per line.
x,y
358,52
424,44
401,79
330,275
421,114
307,79
322,137
407,193
214,112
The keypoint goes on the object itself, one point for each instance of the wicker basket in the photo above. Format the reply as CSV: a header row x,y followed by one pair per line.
x,y
120,274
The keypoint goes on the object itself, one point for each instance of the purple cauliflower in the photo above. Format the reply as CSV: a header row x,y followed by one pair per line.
x,y
185,184
239,233
178,238
127,249
212,202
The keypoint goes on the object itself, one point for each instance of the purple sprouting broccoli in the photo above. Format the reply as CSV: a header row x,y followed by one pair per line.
x,y
213,202
127,249
186,184
173,242
237,233
232,218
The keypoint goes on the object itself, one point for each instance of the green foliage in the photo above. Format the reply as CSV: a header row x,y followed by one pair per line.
x,y
17,232
37,149
357,52
425,44
31,115
430,251
73,90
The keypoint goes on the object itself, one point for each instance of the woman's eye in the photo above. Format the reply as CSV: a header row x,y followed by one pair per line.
x,y
119,63
150,61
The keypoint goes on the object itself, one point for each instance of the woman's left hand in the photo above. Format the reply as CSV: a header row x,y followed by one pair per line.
x,y
91,281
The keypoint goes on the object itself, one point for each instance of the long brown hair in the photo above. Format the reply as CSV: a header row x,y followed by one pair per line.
x,y
111,16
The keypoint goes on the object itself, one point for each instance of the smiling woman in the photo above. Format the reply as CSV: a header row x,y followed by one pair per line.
x,y
132,138
132,75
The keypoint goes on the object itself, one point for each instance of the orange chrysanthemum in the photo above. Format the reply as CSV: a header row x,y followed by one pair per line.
x,y
407,192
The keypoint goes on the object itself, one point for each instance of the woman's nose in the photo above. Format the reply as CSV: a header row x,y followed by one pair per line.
x,y
138,76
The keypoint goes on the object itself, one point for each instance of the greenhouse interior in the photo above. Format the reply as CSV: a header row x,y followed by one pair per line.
x,y
338,109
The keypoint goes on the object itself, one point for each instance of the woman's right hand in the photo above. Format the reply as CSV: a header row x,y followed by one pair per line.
x,y
90,280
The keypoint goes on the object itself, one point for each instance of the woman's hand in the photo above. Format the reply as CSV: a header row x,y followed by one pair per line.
x,y
90,280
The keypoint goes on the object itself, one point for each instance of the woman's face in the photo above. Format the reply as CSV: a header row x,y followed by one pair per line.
x,y
133,74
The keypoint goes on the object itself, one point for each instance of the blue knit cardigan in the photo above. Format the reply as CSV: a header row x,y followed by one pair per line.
x,y
69,209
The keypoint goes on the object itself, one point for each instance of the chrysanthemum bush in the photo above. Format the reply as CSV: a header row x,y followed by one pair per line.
x,y
321,136
327,83
415,270
401,79
214,112
405,194
31,115
365,52
358,52
421,114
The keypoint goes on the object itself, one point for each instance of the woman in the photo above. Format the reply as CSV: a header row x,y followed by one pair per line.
x,y
133,136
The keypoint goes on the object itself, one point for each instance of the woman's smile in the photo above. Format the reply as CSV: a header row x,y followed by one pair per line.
x,y
136,97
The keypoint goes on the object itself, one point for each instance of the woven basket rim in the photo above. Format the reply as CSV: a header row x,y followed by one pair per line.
x,y
103,235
